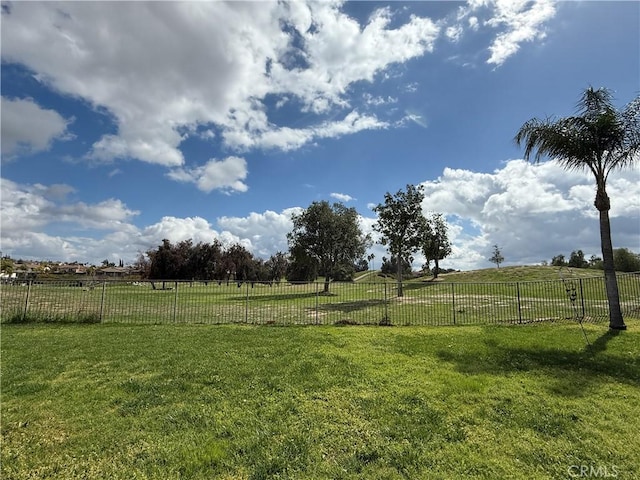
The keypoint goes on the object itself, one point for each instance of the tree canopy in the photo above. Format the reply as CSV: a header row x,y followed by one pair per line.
x,y
401,225
326,240
436,244
210,261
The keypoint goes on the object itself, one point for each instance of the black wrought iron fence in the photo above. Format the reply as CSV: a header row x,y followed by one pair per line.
x,y
375,303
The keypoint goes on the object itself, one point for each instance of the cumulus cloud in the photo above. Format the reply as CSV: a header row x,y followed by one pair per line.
x,y
513,21
160,69
226,175
266,231
524,22
28,128
343,197
29,207
532,211
176,230
287,138
95,231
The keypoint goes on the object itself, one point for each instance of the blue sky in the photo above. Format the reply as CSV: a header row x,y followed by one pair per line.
x,y
124,123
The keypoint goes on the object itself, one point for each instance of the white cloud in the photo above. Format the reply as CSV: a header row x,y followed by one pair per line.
x,y
415,117
524,22
161,68
29,207
378,101
226,175
454,33
266,231
515,22
532,211
94,231
28,128
178,229
343,197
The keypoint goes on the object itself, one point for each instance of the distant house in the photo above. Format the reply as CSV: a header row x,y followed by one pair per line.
x,y
71,269
112,272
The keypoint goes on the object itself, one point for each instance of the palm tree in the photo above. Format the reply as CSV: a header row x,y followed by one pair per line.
x,y
599,139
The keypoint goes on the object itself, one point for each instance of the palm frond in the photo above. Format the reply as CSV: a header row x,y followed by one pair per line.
x,y
595,102
557,139
599,138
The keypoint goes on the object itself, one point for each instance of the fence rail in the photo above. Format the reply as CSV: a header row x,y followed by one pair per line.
x,y
423,303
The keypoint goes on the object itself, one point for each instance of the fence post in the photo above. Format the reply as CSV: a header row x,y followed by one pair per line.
x,y
582,299
519,305
175,301
317,301
246,305
453,301
104,288
386,305
26,301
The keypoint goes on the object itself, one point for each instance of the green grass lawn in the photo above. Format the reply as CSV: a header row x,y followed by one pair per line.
x,y
506,295
119,401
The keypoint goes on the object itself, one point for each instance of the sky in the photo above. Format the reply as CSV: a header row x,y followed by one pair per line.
x,y
125,123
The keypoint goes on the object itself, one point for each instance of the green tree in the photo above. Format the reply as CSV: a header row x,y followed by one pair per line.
x,y
625,260
402,225
600,139
7,265
302,267
558,261
576,260
204,259
163,263
106,263
328,236
277,266
595,262
497,257
390,266
436,244
239,263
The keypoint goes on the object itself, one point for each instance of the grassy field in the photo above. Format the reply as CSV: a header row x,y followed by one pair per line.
x,y
117,401
514,294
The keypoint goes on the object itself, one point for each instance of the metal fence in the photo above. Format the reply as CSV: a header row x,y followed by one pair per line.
x,y
376,303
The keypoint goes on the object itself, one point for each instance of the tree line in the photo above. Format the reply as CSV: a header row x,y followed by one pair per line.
x,y
326,241
624,260
209,262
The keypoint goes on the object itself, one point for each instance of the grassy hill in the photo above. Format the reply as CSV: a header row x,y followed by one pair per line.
x,y
520,273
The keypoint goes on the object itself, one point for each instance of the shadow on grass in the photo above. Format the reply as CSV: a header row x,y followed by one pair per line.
x,y
572,373
422,284
347,307
277,297
600,345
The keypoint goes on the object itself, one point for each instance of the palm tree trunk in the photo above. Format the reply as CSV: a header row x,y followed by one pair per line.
x,y
616,322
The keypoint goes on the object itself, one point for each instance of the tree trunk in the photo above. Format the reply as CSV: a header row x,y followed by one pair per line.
x,y
399,275
326,285
616,322
436,269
